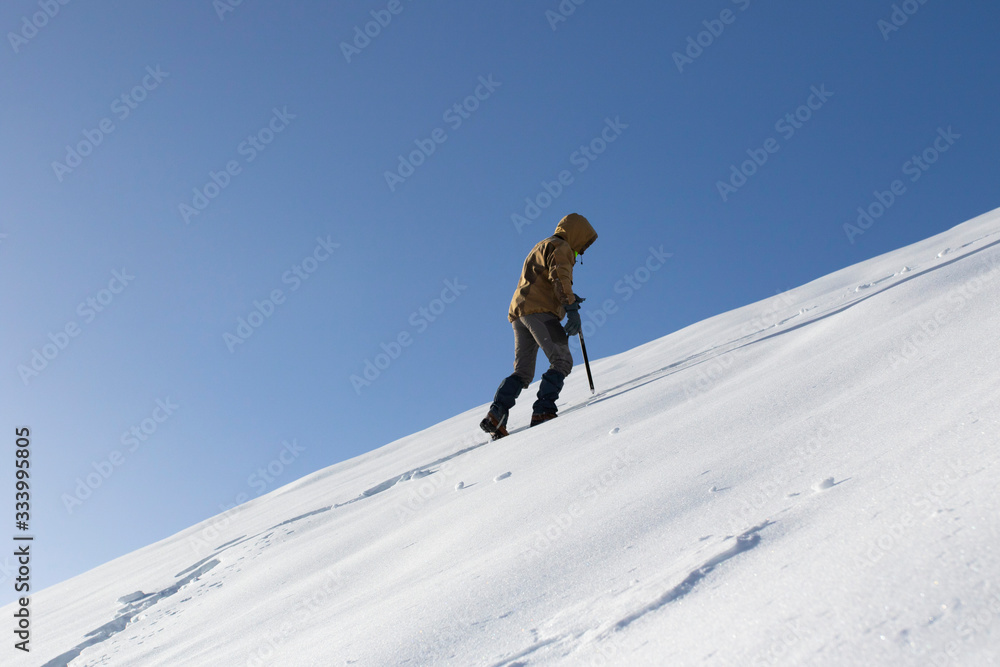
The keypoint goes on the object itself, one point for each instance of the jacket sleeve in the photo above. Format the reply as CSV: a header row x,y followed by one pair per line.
x,y
560,268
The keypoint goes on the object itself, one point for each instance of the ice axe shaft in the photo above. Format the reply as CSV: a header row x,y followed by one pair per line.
x,y
586,362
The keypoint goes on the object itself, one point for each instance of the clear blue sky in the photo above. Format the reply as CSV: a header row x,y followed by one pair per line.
x,y
326,130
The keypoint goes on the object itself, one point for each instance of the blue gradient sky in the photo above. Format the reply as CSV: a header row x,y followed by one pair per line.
x,y
284,397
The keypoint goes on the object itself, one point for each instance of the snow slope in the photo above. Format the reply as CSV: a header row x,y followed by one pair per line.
x,y
809,480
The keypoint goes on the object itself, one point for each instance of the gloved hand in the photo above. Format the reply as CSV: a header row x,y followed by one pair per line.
x,y
573,324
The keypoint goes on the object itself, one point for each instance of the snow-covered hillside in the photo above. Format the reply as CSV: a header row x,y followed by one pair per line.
x,y
809,480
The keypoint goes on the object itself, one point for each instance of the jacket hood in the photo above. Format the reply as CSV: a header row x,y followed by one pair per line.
x,y
577,231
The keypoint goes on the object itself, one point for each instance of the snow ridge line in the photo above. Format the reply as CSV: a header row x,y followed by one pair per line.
x,y
410,474
744,542
126,616
136,603
515,660
885,289
240,540
739,344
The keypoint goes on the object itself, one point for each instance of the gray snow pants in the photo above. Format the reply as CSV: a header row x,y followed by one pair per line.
x,y
540,330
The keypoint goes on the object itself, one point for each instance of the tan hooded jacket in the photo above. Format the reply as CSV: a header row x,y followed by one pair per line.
x,y
546,284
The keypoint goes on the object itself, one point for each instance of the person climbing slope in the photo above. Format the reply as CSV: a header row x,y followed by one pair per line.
x,y
543,297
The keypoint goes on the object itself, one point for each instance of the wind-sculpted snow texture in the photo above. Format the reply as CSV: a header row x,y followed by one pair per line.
x,y
809,480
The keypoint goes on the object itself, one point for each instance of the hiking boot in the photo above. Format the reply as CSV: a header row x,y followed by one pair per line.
x,y
537,419
497,428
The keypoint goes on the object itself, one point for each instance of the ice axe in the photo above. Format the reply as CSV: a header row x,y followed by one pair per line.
x,y
586,362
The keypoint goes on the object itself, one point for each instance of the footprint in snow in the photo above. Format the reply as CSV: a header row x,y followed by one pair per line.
x,y
502,476
460,486
614,431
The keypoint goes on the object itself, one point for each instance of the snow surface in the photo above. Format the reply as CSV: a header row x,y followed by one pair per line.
x,y
808,480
